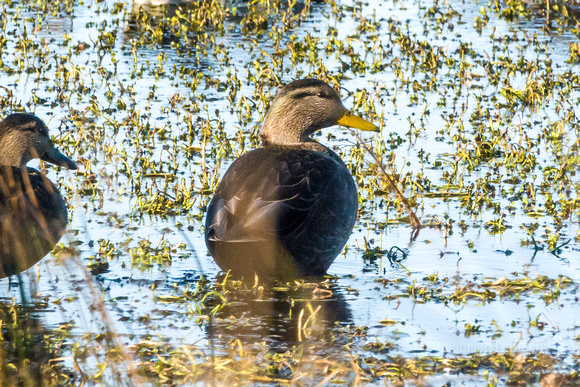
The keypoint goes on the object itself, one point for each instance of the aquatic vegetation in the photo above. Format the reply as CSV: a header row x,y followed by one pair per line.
x,y
461,266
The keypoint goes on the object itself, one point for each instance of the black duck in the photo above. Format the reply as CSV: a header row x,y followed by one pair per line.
x,y
287,209
33,215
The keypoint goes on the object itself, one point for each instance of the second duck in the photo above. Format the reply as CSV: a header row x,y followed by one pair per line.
x,y
33,215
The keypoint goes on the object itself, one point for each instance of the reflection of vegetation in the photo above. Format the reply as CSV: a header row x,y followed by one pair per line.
x,y
241,364
440,290
145,255
305,342
240,361
29,353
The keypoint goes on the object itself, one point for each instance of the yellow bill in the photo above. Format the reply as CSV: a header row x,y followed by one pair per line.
x,y
357,123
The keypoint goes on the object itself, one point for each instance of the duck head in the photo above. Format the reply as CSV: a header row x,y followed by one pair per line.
x,y
24,137
303,107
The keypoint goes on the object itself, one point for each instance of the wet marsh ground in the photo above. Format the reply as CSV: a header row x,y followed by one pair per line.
x,y
478,104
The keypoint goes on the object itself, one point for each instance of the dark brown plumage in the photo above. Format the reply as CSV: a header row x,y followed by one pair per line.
x,y
33,215
288,208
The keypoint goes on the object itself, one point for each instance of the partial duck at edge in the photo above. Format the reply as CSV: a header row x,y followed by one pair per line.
x,y
33,215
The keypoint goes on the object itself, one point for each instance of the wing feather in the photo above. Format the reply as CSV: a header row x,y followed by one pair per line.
x,y
303,200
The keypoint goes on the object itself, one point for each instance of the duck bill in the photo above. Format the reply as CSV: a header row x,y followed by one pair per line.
x,y
53,156
357,123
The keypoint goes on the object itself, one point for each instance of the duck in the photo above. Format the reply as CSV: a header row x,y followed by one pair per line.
x,y
287,209
33,214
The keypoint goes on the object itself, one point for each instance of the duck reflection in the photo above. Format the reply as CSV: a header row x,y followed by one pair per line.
x,y
33,215
282,316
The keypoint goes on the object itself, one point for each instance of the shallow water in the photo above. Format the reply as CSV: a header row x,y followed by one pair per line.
x,y
127,114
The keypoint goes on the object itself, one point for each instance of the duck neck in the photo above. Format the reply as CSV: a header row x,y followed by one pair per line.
x,y
284,131
277,137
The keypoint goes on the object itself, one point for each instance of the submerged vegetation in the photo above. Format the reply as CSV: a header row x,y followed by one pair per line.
x,y
462,265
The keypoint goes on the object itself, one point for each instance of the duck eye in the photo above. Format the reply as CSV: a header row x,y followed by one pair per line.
x,y
322,94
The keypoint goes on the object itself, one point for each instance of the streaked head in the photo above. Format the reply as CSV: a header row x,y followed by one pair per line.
x,y
303,107
24,137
